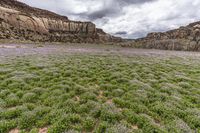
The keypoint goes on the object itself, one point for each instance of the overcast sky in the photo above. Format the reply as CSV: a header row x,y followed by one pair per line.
x,y
126,18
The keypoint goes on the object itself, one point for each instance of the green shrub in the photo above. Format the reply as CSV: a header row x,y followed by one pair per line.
x,y
54,115
39,91
74,118
27,120
12,100
153,129
138,108
108,87
88,96
102,128
68,73
79,89
20,93
71,131
34,130
184,85
123,80
29,106
95,109
7,125
29,97
41,111
4,71
2,103
110,113
19,85
162,110
119,128
10,113
135,119
192,121
51,100
64,123
4,93
58,128
116,75
122,103
178,125
88,123
118,92
57,92
22,108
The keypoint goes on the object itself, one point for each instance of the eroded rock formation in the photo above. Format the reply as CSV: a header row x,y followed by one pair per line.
x,y
20,21
184,38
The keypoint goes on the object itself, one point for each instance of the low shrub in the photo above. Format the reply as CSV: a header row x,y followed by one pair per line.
x,y
119,128
88,96
10,113
88,124
79,89
12,100
4,93
110,113
65,123
34,130
29,97
39,91
117,92
27,120
7,125
102,128
2,103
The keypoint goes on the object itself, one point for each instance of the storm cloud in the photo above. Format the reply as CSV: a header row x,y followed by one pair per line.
x,y
126,18
112,8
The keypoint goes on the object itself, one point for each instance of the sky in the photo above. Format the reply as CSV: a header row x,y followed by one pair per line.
x,y
126,18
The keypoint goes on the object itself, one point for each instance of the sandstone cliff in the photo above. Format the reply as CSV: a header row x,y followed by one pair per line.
x,y
184,38
20,21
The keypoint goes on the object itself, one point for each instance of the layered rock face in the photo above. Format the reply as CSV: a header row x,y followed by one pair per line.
x,y
20,21
184,38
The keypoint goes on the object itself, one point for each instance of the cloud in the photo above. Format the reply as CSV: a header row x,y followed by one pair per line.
x,y
133,1
89,9
109,8
135,17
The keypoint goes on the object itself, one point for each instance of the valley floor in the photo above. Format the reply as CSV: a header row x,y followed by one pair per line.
x,y
98,88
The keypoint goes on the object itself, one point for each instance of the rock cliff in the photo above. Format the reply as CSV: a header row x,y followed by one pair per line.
x,y
20,21
185,38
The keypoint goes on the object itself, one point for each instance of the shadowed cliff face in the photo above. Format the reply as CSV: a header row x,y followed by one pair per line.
x,y
20,21
184,38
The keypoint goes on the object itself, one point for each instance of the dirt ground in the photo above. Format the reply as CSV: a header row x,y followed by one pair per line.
x,y
7,50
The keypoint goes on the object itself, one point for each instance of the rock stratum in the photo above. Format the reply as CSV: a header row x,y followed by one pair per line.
x,y
185,38
19,21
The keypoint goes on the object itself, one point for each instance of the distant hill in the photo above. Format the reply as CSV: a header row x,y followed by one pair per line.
x,y
19,21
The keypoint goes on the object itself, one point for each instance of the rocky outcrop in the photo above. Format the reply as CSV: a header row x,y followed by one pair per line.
x,y
184,38
20,21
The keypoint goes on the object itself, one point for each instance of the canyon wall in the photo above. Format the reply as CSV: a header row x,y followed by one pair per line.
x,y
186,38
22,22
